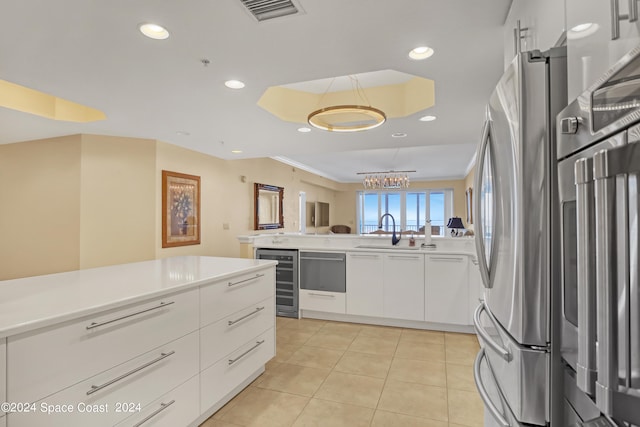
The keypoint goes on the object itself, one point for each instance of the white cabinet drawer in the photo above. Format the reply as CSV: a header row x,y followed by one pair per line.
x,y
3,371
231,371
175,408
139,381
223,298
231,332
331,302
50,359
3,421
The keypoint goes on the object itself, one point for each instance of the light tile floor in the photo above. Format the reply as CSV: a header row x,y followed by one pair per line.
x,y
344,374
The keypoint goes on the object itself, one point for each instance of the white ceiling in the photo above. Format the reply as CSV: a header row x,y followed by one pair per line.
x,y
91,52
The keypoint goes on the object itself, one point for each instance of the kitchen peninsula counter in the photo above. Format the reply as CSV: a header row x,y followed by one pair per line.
x,y
415,287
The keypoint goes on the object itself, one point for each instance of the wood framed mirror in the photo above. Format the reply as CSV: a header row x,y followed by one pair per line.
x,y
268,207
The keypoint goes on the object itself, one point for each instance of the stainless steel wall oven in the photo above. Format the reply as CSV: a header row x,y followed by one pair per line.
x,y
598,167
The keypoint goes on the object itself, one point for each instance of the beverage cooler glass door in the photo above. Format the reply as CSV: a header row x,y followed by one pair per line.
x,y
484,206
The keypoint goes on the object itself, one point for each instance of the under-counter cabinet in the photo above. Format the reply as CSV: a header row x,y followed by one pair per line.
x,y
171,410
3,377
365,281
195,331
403,286
79,349
328,302
446,289
597,38
98,400
476,287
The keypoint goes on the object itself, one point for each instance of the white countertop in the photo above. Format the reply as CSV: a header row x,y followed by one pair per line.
x,y
360,243
34,302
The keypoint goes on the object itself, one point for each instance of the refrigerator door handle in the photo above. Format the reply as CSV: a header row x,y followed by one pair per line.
x,y
504,353
586,363
493,410
480,249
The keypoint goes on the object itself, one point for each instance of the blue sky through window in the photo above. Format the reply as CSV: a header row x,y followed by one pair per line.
x,y
415,208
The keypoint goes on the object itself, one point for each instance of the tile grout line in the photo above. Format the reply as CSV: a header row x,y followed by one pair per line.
x,y
384,384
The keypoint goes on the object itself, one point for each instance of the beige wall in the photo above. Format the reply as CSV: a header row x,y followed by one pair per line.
x,y
117,199
40,207
86,201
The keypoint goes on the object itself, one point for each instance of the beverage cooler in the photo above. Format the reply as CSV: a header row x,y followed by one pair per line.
x,y
286,279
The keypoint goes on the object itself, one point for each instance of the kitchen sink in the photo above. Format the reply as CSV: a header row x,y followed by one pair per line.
x,y
385,247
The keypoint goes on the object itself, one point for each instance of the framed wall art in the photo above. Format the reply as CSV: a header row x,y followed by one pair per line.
x,y
180,209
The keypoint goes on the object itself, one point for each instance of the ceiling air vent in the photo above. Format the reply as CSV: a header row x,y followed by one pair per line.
x,y
263,10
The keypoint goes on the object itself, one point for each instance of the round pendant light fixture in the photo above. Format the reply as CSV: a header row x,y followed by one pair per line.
x,y
347,118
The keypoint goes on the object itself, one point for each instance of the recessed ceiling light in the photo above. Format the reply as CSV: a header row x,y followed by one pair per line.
x,y
582,30
421,52
234,84
398,135
182,133
154,31
427,118
304,130
236,151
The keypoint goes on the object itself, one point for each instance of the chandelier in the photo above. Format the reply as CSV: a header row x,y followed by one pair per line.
x,y
348,118
388,180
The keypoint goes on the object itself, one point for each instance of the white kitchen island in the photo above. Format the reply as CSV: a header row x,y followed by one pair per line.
x,y
163,343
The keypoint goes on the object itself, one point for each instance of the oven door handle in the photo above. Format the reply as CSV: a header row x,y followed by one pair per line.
x,y
480,249
493,410
585,224
477,322
610,169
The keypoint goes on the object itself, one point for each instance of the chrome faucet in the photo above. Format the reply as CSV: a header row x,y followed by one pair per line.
x,y
394,239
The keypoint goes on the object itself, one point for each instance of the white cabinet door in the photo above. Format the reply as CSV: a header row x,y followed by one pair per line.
x,y
476,288
447,289
544,22
403,286
364,284
592,51
3,371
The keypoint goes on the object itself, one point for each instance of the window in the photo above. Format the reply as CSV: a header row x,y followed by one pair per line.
x,y
410,209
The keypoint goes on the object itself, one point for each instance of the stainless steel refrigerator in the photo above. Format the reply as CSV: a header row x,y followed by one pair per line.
x,y
515,188
598,168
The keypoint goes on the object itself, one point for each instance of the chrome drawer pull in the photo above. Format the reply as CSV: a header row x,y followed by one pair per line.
x,y
314,258
447,259
95,388
257,276
258,344
404,257
162,407
257,310
322,295
161,305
